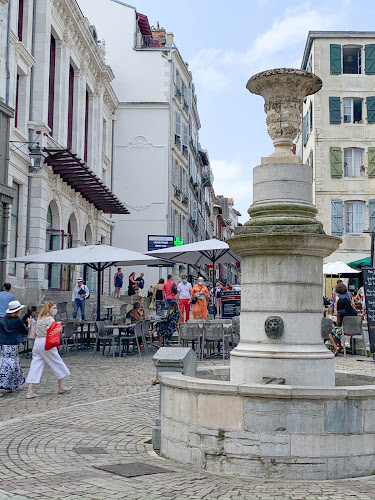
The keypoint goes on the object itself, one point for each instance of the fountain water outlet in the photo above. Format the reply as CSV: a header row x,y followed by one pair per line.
x,y
280,410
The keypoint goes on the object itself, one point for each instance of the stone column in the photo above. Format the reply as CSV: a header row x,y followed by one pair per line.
x,y
282,248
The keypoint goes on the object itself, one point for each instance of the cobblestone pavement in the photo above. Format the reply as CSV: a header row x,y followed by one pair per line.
x,y
112,406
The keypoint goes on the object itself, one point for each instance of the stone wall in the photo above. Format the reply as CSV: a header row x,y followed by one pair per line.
x,y
269,431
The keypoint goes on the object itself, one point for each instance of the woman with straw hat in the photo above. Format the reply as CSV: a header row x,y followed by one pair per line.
x,y
12,332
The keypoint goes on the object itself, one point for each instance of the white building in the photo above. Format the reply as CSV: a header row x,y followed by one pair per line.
x,y
157,170
60,89
339,136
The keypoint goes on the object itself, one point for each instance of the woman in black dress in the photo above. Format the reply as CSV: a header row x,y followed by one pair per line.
x,y
13,331
133,287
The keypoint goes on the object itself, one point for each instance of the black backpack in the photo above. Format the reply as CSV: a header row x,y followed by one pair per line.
x,y
174,288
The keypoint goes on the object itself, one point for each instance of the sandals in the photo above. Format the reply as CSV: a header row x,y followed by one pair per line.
x,y
32,396
63,391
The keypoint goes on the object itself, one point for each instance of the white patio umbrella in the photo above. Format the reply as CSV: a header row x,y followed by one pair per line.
x,y
98,257
338,268
209,252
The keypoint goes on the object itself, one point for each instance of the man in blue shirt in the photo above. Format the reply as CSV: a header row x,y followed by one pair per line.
x,y
5,298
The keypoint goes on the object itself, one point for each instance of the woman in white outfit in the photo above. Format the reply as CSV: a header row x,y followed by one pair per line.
x,y
41,356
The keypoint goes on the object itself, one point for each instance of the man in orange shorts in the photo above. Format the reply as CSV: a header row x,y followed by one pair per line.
x,y
201,293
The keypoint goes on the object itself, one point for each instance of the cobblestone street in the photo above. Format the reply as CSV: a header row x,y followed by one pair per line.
x,y
112,407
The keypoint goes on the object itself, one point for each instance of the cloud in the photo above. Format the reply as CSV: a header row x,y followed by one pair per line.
x,y
233,180
214,69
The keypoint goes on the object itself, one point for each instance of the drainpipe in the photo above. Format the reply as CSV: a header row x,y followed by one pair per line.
x,y
31,105
7,56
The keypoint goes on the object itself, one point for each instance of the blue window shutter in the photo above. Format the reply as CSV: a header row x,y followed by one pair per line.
x,y
335,58
370,109
371,209
336,217
334,110
370,59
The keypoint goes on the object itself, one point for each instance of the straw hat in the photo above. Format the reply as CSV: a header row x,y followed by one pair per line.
x,y
14,306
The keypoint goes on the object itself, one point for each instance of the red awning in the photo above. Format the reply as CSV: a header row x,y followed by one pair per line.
x,y
144,25
79,177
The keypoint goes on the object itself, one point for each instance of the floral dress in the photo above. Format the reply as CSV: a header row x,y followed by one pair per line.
x,y
12,332
167,328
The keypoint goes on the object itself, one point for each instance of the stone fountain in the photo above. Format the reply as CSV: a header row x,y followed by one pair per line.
x,y
280,410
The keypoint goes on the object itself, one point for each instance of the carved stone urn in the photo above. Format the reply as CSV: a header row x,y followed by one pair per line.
x,y
283,90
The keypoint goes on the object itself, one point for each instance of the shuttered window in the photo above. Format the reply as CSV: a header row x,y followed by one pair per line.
x,y
336,217
185,129
370,59
371,208
336,162
370,109
178,123
335,59
354,162
334,110
354,217
371,162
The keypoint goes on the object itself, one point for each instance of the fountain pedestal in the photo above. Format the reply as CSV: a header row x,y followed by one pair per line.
x,y
282,248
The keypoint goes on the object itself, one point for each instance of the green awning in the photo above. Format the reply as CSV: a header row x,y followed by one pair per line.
x,y
360,263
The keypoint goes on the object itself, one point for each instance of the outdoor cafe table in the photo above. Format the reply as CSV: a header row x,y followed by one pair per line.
x,y
109,311
120,327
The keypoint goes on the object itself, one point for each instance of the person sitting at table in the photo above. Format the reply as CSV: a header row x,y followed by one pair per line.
x,y
136,314
344,308
166,328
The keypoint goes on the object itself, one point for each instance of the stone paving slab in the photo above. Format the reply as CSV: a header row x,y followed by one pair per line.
x,y
112,406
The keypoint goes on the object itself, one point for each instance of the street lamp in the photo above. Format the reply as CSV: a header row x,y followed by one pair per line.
x,y
36,157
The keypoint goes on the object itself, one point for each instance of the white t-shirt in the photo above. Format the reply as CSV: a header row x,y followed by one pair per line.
x,y
184,290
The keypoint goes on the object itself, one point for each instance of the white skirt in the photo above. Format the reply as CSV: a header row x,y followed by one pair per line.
x,y
41,357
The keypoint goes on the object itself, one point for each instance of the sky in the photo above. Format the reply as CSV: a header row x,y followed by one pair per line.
x,y
225,43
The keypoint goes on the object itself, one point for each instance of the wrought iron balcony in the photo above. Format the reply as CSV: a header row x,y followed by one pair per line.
x,y
186,106
185,199
177,141
185,151
177,193
177,93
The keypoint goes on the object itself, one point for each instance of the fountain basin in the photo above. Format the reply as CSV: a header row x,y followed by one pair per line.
x,y
270,431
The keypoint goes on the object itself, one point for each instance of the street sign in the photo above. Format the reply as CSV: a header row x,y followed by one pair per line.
x,y
158,242
369,285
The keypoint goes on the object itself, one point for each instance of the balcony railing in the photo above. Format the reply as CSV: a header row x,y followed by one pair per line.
x,y
150,41
208,210
206,180
177,93
177,141
177,193
185,199
185,151
186,106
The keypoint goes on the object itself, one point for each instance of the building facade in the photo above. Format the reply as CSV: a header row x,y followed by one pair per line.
x,y
338,136
160,171
60,140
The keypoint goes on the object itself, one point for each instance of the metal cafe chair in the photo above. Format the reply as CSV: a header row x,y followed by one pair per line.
x,y
191,333
351,327
69,331
215,333
133,337
105,336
